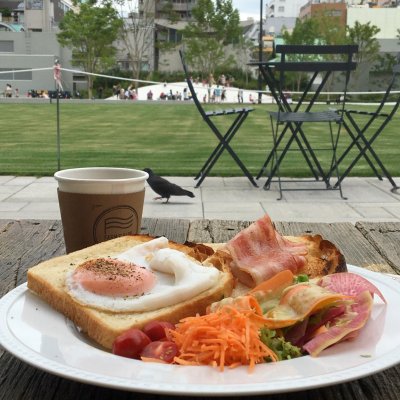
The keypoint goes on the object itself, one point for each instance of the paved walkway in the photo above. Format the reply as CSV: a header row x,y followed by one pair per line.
x,y
368,199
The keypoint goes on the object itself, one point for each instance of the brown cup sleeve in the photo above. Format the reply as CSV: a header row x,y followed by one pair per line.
x,y
93,218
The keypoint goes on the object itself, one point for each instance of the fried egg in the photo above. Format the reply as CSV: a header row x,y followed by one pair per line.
x,y
148,277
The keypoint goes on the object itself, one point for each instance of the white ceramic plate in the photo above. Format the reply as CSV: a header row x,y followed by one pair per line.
x,y
42,337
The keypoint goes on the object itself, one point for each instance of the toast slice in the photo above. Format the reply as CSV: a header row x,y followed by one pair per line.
x,y
48,278
323,257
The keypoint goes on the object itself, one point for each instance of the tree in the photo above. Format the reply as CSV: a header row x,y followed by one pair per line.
x,y
304,32
364,36
90,34
137,35
321,28
368,45
216,24
330,29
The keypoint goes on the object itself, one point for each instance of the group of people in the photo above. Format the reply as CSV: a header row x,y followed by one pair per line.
x,y
215,95
216,89
174,96
125,94
222,80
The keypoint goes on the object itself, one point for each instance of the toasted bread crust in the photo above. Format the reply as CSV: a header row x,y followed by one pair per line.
x,y
323,257
48,281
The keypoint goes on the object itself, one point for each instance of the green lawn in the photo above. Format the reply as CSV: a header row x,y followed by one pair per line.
x,y
170,138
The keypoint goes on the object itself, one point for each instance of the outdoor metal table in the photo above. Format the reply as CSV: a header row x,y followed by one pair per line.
x,y
288,121
27,242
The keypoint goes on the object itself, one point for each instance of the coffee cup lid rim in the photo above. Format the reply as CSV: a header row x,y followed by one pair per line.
x,y
62,175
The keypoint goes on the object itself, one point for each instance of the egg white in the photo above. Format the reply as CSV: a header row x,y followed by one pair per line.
x,y
178,278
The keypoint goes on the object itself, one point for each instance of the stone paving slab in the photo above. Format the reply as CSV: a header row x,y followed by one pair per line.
x,y
368,199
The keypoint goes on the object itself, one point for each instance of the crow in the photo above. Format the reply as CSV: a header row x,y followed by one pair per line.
x,y
165,188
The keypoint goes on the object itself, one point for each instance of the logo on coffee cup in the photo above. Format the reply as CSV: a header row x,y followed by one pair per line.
x,y
115,222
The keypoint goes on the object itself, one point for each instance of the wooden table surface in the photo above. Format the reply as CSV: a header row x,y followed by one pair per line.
x,y
374,246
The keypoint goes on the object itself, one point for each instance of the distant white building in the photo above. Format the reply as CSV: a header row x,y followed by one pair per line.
x,y
28,41
284,8
386,19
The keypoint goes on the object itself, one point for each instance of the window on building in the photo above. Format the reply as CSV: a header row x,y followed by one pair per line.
x,y
15,75
333,13
22,76
6,77
34,4
174,36
79,78
6,46
281,9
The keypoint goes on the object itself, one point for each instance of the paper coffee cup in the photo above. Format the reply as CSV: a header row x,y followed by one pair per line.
x,y
99,204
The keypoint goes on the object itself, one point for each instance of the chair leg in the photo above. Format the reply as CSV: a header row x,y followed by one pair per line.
x,y
355,142
362,153
302,149
224,145
295,131
334,163
274,158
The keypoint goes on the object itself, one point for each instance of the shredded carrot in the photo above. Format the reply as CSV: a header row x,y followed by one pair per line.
x,y
228,337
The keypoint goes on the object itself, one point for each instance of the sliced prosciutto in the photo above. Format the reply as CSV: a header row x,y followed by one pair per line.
x,y
350,284
344,327
259,252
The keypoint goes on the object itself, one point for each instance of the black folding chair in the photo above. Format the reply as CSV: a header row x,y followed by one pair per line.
x,y
316,61
360,130
223,139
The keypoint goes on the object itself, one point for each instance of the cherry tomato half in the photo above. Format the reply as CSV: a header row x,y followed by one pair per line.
x,y
130,343
160,350
155,330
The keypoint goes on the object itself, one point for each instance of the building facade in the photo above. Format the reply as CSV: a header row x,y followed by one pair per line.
x,y
163,8
328,8
284,8
28,41
387,19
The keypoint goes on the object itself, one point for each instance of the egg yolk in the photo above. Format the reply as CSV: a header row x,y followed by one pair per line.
x,y
111,277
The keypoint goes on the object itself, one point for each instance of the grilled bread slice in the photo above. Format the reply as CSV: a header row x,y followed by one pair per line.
x,y
48,280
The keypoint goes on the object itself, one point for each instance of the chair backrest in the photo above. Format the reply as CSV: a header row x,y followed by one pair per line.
x,y
315,59
394,81
308,57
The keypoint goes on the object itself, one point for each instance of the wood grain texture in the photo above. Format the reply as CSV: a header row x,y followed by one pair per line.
x,y
174,229
214,231
26,243
385,239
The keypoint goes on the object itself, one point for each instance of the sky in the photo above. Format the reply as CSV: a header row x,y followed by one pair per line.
x,y
248,8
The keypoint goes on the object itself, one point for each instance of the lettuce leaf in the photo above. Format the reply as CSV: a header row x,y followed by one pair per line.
x,y
283,349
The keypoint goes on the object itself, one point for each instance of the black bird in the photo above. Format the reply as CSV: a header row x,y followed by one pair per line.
x,y
165,188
